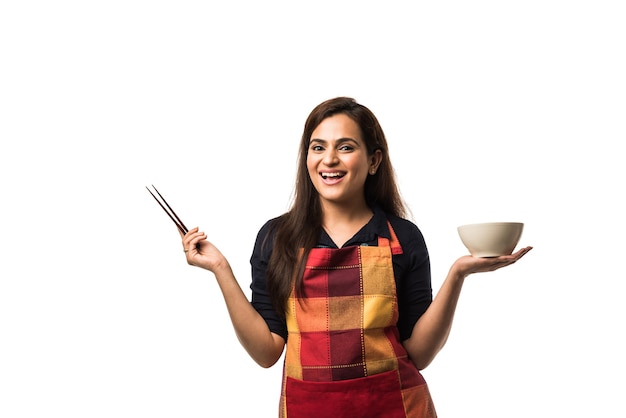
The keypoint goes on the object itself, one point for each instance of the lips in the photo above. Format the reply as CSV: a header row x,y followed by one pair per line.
x,y
332,176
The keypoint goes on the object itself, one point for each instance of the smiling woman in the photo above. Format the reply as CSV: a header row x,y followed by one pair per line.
x,y
338,163
342,280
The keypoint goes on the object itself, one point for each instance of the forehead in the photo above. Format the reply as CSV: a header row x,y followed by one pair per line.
x,y
339,126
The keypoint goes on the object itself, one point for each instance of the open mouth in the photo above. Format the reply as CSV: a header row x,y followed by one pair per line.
x,y
332,176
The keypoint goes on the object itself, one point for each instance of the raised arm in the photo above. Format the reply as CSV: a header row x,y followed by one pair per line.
x,y
251,329
431,331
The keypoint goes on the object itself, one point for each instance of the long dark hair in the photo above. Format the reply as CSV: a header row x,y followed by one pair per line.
x,y
298,230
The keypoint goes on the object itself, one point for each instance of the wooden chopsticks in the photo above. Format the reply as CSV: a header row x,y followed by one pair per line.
x,y
170,212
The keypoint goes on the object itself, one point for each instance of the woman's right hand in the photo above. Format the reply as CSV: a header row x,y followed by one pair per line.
x,y
264,346
200,252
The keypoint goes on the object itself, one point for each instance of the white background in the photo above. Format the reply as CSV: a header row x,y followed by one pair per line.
x,y
493,111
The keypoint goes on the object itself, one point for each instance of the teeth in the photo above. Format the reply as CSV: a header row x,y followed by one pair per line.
x,y
327,175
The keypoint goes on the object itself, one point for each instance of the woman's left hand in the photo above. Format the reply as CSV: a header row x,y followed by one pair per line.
x,y
468,264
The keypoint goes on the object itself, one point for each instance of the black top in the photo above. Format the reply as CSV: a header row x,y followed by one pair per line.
x,y
411,269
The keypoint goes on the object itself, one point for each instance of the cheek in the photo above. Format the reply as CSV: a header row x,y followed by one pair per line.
x,y
311,166
359,165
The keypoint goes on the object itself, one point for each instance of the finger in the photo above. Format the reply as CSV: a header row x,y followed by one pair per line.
x,y
516,255
193,243
521,253
507,260
524,250
187,238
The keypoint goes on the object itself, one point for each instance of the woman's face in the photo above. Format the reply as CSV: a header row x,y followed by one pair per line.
x,y
337,161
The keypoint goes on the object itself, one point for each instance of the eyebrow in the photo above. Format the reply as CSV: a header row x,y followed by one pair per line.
x,y
339,141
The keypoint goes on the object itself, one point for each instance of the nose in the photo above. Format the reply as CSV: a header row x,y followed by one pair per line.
x,y
330,157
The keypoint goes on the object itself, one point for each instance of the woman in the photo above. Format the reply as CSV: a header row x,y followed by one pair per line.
x,y
342,280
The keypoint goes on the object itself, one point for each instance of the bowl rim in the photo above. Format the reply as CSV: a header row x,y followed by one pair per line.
x,y
491,224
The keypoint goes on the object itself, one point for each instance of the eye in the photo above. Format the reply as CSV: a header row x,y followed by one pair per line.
x,y
346,147
316,147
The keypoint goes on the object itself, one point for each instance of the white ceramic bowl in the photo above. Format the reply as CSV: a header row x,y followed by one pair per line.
x,y
491,239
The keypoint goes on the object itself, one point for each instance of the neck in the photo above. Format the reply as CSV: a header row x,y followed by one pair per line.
x,y
342,222
349,214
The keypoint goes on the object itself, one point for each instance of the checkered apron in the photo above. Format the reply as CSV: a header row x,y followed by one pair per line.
x,y
344,357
